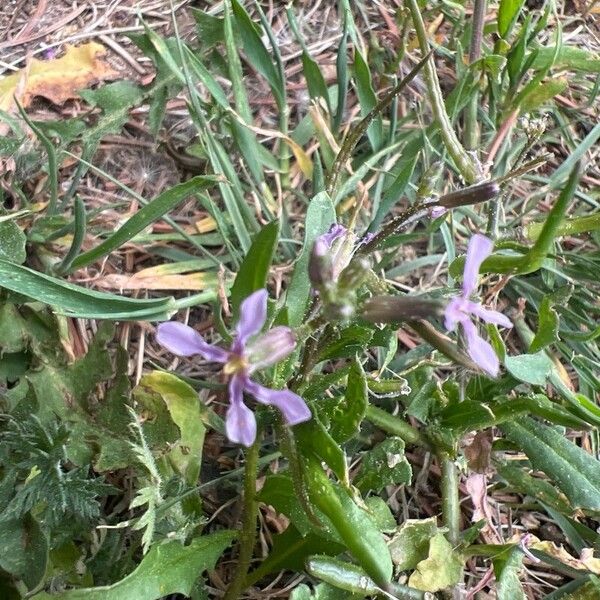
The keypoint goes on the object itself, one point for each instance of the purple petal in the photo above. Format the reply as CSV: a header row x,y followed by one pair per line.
x,y
454,313
182,340
240,424
292,406
270,348
480,351
489,316
253,314
335,231
480,247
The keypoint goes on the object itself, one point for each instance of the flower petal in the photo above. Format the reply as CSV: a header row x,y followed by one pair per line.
x,y
293,407
453,313
270,348
489,316
182,340
480,351
253,314
240,424
480,247
335,231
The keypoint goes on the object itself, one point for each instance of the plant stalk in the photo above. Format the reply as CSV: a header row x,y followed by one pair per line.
x,y
450,499
471,128
248,534
464,163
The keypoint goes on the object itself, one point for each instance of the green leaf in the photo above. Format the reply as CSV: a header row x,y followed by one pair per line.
x,y
569,57
76,301
367,99
508,11
542,93
351,341
342,416
12,242
529,368
147,215
258,55
547,331
319,217
323,591
507,567
384,465
410,545
169,568
341,574
184,407
290,550
537,488
441,569
24,549
254,269
575,472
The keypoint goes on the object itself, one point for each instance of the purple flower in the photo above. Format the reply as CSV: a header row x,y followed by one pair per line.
x,y
245,356
337,247
461,310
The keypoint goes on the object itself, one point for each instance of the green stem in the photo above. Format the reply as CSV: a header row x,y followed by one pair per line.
x,y
396,426
248,534
471,129
463,161
450,499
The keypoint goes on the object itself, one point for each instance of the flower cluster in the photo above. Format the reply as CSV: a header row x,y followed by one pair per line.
x,y
246,355
461,310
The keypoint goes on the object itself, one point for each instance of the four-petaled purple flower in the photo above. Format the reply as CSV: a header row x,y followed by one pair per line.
x,y
461,310
239,362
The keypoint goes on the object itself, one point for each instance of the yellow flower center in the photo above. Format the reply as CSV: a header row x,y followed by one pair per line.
x,y
235,364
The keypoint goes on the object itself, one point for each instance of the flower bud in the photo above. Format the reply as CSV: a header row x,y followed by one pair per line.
x,y
391,309
320,266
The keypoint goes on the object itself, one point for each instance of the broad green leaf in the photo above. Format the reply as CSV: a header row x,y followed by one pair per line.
x,y
254,269
569,57
547,331
12,242
183,405
410,545
508,11
575,472
313,437
529,368
147,215
384,465
507,568
23,549
381,513
441,569
76,301
168,568
319,217
542,93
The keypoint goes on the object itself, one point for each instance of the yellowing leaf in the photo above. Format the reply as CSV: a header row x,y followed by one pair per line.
x,y
441,569
153,281
206,225
59,79
587,562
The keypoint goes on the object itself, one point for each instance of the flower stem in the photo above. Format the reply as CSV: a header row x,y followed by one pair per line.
x,y
450,499
461,158
248,533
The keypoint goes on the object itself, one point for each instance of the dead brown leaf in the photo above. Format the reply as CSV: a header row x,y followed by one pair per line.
x,y
59,79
